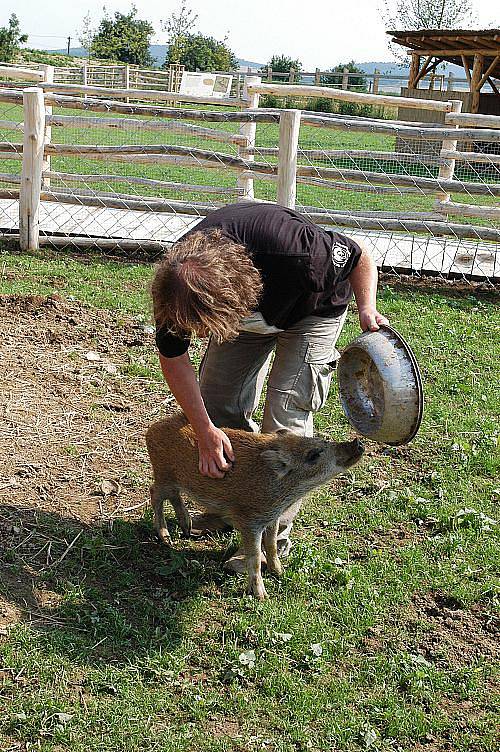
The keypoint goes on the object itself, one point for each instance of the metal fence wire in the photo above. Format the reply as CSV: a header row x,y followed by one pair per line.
x,y
135,174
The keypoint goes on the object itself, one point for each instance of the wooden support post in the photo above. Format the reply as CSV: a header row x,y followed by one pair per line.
x,y
248,130
269,74
490,68
31,173
291,75
376,80
317,77
493,86
345,78
414,71
48,71
287,157
446,171
477,72
449,82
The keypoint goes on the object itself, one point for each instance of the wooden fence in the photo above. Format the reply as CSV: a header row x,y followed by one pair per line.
x,y
120,76
286,168
125,76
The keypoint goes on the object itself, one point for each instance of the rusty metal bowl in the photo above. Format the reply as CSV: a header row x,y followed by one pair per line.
x,y
380,387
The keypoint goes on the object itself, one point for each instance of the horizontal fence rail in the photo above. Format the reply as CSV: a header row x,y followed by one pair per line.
x,y
349,96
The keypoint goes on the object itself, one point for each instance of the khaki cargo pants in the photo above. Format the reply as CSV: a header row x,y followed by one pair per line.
x,y
232,377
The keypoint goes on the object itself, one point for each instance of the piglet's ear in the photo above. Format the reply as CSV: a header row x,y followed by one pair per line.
x,y
277,460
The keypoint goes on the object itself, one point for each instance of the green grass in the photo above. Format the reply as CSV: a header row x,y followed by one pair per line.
x,y
151,651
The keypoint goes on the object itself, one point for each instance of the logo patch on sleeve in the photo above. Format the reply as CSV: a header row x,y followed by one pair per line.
x,y
340,255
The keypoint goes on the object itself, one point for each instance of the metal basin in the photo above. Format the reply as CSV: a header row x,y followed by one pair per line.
x,y
380,387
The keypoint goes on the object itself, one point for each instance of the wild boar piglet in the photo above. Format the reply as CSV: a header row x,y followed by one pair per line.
x,y
269,474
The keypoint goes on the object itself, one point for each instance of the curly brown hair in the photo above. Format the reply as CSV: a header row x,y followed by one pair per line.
x,y
204,285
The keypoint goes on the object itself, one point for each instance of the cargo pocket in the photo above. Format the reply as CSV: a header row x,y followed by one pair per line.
x,y
312,384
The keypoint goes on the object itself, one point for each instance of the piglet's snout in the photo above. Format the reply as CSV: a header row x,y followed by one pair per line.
x,y
350,452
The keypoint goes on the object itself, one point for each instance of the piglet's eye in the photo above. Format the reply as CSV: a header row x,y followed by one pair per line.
x,y
313,456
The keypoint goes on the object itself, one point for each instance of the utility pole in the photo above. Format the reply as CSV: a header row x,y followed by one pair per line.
x,y
69,43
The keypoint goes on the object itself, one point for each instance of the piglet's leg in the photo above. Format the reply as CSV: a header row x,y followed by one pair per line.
x,y
158,495
181,511
271,548
252,541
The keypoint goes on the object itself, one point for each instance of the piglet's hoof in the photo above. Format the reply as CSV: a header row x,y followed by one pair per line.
x,y
164,536
257,589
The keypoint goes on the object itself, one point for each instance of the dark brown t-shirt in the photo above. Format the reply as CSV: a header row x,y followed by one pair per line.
x,y
304,268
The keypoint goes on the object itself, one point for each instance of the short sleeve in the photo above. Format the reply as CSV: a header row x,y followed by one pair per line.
x,y
345,254
169,345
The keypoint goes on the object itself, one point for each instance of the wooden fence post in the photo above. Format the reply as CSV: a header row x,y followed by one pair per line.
x,y
287,157
449,83
376,80
248,130
447,170
48,71
317,77
291,75
126,80
31,173
345,78
269,74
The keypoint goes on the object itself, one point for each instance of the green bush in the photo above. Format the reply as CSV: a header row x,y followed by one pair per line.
x,y
322,104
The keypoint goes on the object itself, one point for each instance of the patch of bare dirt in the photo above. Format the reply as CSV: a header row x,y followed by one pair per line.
x,y
224,728
394,538
437,628
72,425
70,418
454,636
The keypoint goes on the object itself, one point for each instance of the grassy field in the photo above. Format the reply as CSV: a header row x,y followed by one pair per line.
x,y
381,634
267,135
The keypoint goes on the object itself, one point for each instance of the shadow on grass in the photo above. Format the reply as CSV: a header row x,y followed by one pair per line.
x,y
100,593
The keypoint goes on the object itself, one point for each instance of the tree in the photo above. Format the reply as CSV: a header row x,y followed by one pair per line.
x,y
199,52
334,77
87,33
411,15
123,37
179,28
284,64
11,39
194,50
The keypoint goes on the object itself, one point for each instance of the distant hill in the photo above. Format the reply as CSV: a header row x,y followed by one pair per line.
x,y
73,51
395,69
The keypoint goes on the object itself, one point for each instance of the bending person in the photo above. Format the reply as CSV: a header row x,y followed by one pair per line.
x,y
258,279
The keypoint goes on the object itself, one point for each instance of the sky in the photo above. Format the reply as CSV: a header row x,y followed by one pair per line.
x,y
321,33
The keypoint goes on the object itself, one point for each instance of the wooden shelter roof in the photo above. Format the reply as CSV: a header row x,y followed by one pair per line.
x,y
453,45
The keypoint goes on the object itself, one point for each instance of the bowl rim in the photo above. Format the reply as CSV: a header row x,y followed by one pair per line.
x,y
418,383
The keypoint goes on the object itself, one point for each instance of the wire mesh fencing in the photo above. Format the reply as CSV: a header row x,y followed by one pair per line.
x,y
11,146
420,208
136,176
